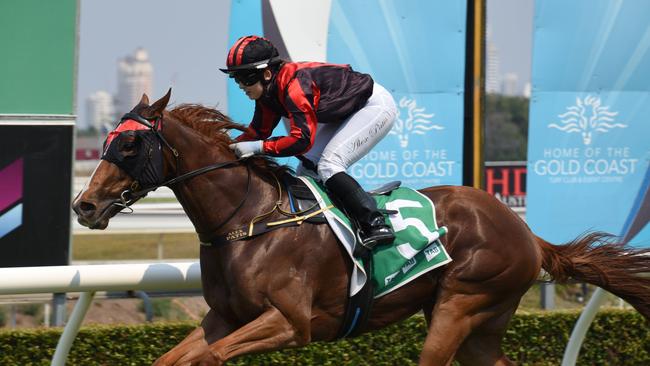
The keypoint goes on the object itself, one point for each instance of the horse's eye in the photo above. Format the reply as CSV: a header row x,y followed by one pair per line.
x,y
128,145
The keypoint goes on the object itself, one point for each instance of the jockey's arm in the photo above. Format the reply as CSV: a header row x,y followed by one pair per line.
x,y
303,123
262,125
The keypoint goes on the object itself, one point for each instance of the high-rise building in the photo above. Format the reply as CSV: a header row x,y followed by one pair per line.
x,y
509,84
134,77
527,89
100,110
492,72
492,69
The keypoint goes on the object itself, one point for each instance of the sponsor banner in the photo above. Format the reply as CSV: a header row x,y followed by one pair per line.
x,y
506,180
35,181
37,67
425,146
37,87
636,224
588,150
11,194
417,150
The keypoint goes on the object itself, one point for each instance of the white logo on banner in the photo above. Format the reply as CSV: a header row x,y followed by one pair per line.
x,y
417,164
411,120
587,163
587,116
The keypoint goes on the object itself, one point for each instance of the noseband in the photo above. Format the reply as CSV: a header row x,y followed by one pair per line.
x,y
131,195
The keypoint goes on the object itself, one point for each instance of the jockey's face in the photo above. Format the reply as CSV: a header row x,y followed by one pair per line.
x,y
255,91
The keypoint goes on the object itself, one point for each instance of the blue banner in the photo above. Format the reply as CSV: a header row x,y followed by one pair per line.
x,y
415,49
588,148
245,19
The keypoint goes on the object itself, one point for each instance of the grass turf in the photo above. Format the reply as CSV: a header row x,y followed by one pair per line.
x,y
134,246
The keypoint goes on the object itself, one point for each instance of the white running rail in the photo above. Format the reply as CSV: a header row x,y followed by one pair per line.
x,y
88,279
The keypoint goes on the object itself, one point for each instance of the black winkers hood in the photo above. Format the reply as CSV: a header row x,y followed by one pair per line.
x,y
145,163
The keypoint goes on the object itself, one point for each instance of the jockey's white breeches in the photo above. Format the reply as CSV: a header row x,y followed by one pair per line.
x,y
337,147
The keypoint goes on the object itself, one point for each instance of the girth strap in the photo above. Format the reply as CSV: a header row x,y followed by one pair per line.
x,y
358,307
259,228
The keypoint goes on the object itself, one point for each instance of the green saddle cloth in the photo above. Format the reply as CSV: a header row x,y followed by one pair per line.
x,y
416,250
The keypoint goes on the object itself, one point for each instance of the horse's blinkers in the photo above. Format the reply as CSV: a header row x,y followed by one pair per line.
x,y
146,165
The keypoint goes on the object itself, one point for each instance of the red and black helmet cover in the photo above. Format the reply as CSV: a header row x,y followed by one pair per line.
x,y
250,53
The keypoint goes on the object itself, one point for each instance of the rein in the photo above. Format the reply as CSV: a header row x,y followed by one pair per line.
x,y
188,175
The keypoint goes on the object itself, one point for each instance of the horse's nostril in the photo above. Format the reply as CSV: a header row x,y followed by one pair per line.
x,y
86,207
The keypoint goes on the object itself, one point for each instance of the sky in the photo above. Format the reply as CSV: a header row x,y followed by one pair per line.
x,y
510,24
187,42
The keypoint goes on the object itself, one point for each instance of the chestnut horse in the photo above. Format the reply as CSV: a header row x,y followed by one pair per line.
x,y
288,287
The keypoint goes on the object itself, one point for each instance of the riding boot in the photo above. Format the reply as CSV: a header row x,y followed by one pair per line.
x,y
362,208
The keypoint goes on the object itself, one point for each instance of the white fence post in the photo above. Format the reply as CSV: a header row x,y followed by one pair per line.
x,y
72,328
582,326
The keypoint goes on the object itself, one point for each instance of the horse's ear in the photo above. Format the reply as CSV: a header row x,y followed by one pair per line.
x,y
142,104
156,110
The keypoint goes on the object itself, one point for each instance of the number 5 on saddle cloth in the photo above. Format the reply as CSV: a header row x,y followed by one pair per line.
x,y
416,250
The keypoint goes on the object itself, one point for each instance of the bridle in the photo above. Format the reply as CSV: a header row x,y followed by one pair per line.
x,y
131,195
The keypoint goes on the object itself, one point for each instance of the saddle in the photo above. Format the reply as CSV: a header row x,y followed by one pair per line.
x,y
302,199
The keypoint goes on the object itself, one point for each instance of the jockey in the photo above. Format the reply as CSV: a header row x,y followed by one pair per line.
x,y
335,115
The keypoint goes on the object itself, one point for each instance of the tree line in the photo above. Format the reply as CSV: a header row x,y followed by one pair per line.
x,y
506,127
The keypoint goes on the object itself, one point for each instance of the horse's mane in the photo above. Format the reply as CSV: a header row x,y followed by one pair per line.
x,y
215,126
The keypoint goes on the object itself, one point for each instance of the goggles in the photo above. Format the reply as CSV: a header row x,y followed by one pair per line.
x,y
246,78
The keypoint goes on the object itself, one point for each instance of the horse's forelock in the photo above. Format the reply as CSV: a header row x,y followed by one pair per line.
x,y
207,121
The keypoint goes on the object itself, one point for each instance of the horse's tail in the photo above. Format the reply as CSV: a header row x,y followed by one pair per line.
x,y
596,258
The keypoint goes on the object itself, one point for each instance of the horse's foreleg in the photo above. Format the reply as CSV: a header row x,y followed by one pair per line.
x,y
270,331
195,345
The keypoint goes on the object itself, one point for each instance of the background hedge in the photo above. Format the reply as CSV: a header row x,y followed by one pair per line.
x,y
617,337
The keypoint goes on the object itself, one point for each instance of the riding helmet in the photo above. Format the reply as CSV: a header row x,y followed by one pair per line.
x,y
251,53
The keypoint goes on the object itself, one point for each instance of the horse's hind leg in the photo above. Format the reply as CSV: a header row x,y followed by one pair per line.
x,y
454,321
447,331
483,345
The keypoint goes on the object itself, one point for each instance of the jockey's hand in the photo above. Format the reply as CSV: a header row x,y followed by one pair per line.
x,y
245,149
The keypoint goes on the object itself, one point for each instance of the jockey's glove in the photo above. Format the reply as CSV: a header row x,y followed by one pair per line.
x,y
245,149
